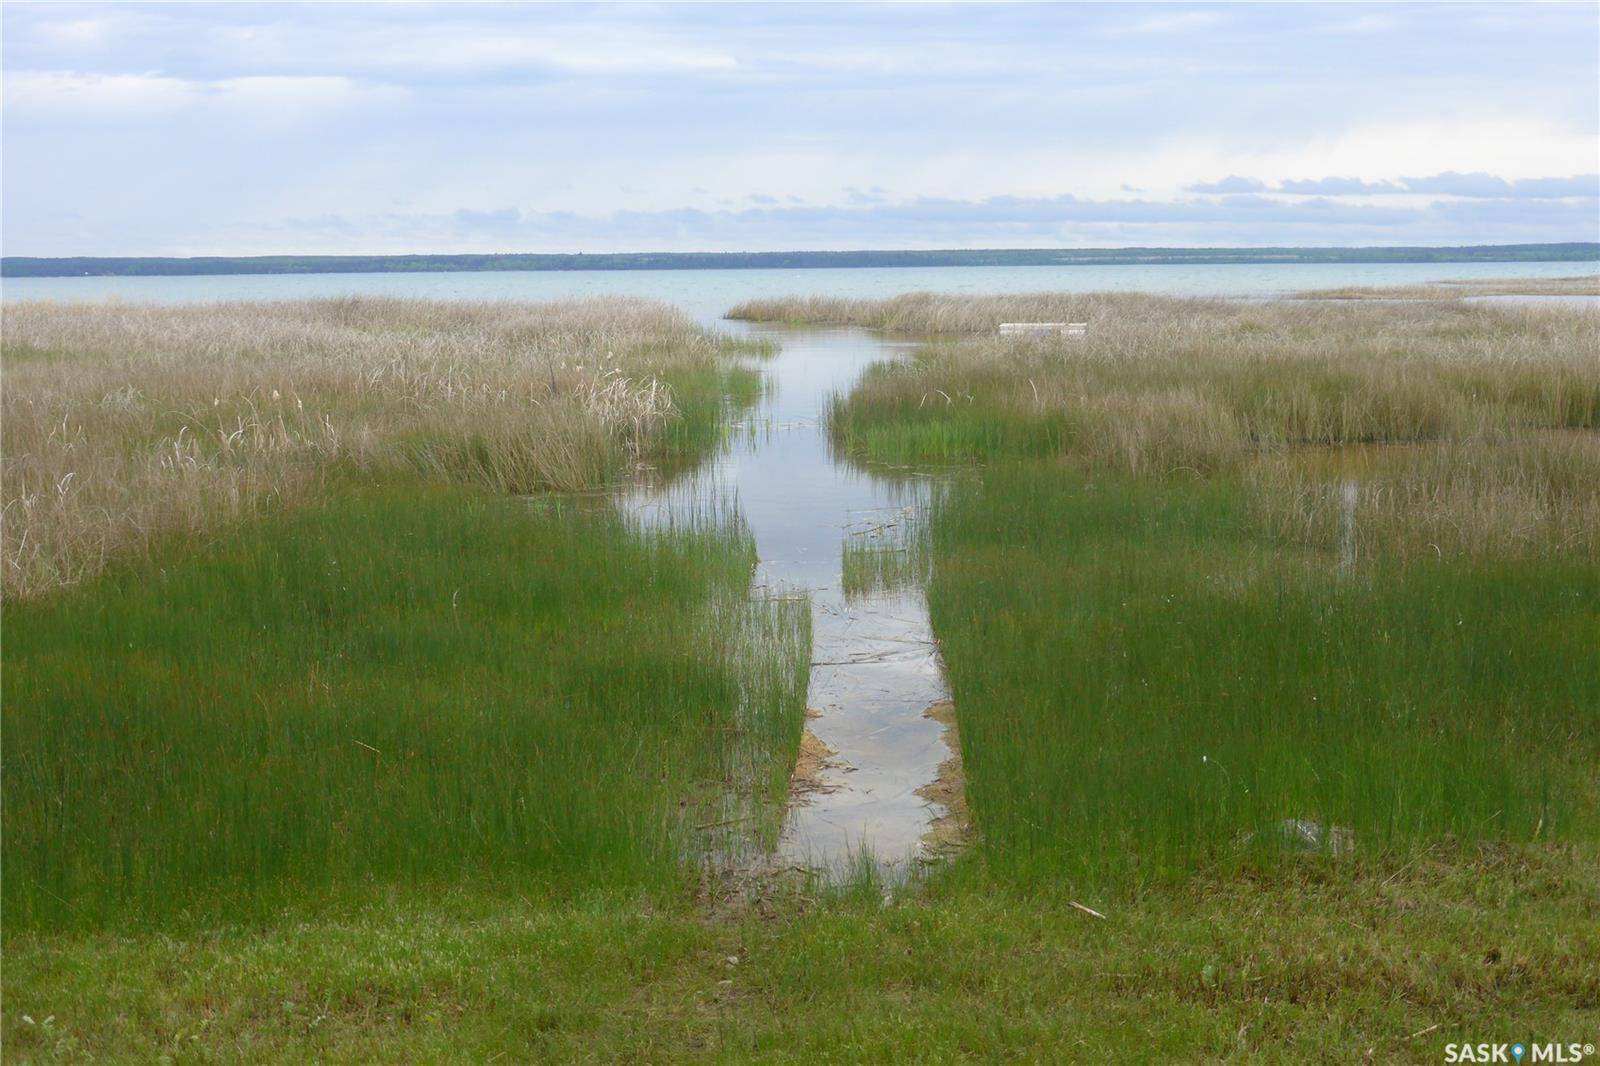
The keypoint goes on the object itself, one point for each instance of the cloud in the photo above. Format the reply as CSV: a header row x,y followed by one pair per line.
x,y
1489,187
1364,24
1478,185
1173,22
56,95
1451,183
992,222
1576,185
589,126
1231,184
1338,187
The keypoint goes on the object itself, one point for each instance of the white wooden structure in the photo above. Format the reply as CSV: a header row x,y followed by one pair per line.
x,y
1026,329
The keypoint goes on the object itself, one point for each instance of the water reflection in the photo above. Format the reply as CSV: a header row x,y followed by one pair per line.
x,y
875,667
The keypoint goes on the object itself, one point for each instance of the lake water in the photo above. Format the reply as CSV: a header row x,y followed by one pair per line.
x,y
707,294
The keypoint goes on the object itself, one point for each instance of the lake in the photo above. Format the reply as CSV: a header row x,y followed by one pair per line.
x,y
707,294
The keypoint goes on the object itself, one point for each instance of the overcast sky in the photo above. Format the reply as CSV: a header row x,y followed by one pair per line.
x,y
218,129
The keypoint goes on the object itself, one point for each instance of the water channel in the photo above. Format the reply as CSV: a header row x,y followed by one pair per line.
x,y
875,668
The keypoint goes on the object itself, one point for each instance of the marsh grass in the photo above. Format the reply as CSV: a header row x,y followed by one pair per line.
x,y
1230,564
1487,415
1161,385
409,686
1148,686
888,557
1578,285
124,425
1530,497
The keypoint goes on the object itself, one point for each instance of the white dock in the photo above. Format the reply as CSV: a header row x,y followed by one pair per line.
x,y
1028,329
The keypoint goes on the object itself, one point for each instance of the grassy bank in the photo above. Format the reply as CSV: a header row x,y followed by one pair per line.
x,y
418,772
124,425
1390,962
404,686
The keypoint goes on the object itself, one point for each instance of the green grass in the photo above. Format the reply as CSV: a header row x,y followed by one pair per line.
x,y
403,685
1314,965
1143,681
416,774
942,433
1156,654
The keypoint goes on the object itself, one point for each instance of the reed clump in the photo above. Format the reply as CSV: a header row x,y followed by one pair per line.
x,y
1495,407
1159,384
127,424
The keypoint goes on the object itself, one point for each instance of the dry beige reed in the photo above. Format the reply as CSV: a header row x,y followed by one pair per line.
x,y
124,424
1497,407
1580,285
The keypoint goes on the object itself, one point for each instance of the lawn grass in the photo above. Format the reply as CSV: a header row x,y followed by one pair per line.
x,y
1316,964
401,685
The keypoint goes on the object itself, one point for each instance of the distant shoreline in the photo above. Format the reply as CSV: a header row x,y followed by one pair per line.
x,y
134,266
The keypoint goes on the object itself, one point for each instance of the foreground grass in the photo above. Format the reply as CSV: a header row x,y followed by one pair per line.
x,y
1316,964
124,425
404,686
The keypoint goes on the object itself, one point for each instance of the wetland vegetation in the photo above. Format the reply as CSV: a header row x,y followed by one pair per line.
x,y
406,766
125,425
1576,285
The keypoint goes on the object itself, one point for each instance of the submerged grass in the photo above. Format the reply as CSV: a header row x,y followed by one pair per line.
x,y
406,686
887,557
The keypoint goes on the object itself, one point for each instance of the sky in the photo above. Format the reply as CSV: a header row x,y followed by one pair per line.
x,y
211,129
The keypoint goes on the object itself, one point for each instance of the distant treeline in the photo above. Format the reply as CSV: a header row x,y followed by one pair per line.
x,y
31,266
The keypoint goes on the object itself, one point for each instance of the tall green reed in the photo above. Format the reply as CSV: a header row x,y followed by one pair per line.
x,y
1147,685
409,684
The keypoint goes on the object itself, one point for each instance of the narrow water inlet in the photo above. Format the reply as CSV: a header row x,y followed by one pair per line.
x,y
875,666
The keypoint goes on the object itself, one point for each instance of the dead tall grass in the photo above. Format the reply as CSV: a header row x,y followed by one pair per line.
x,y
1159,382
1578,285
124,424
1497,406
